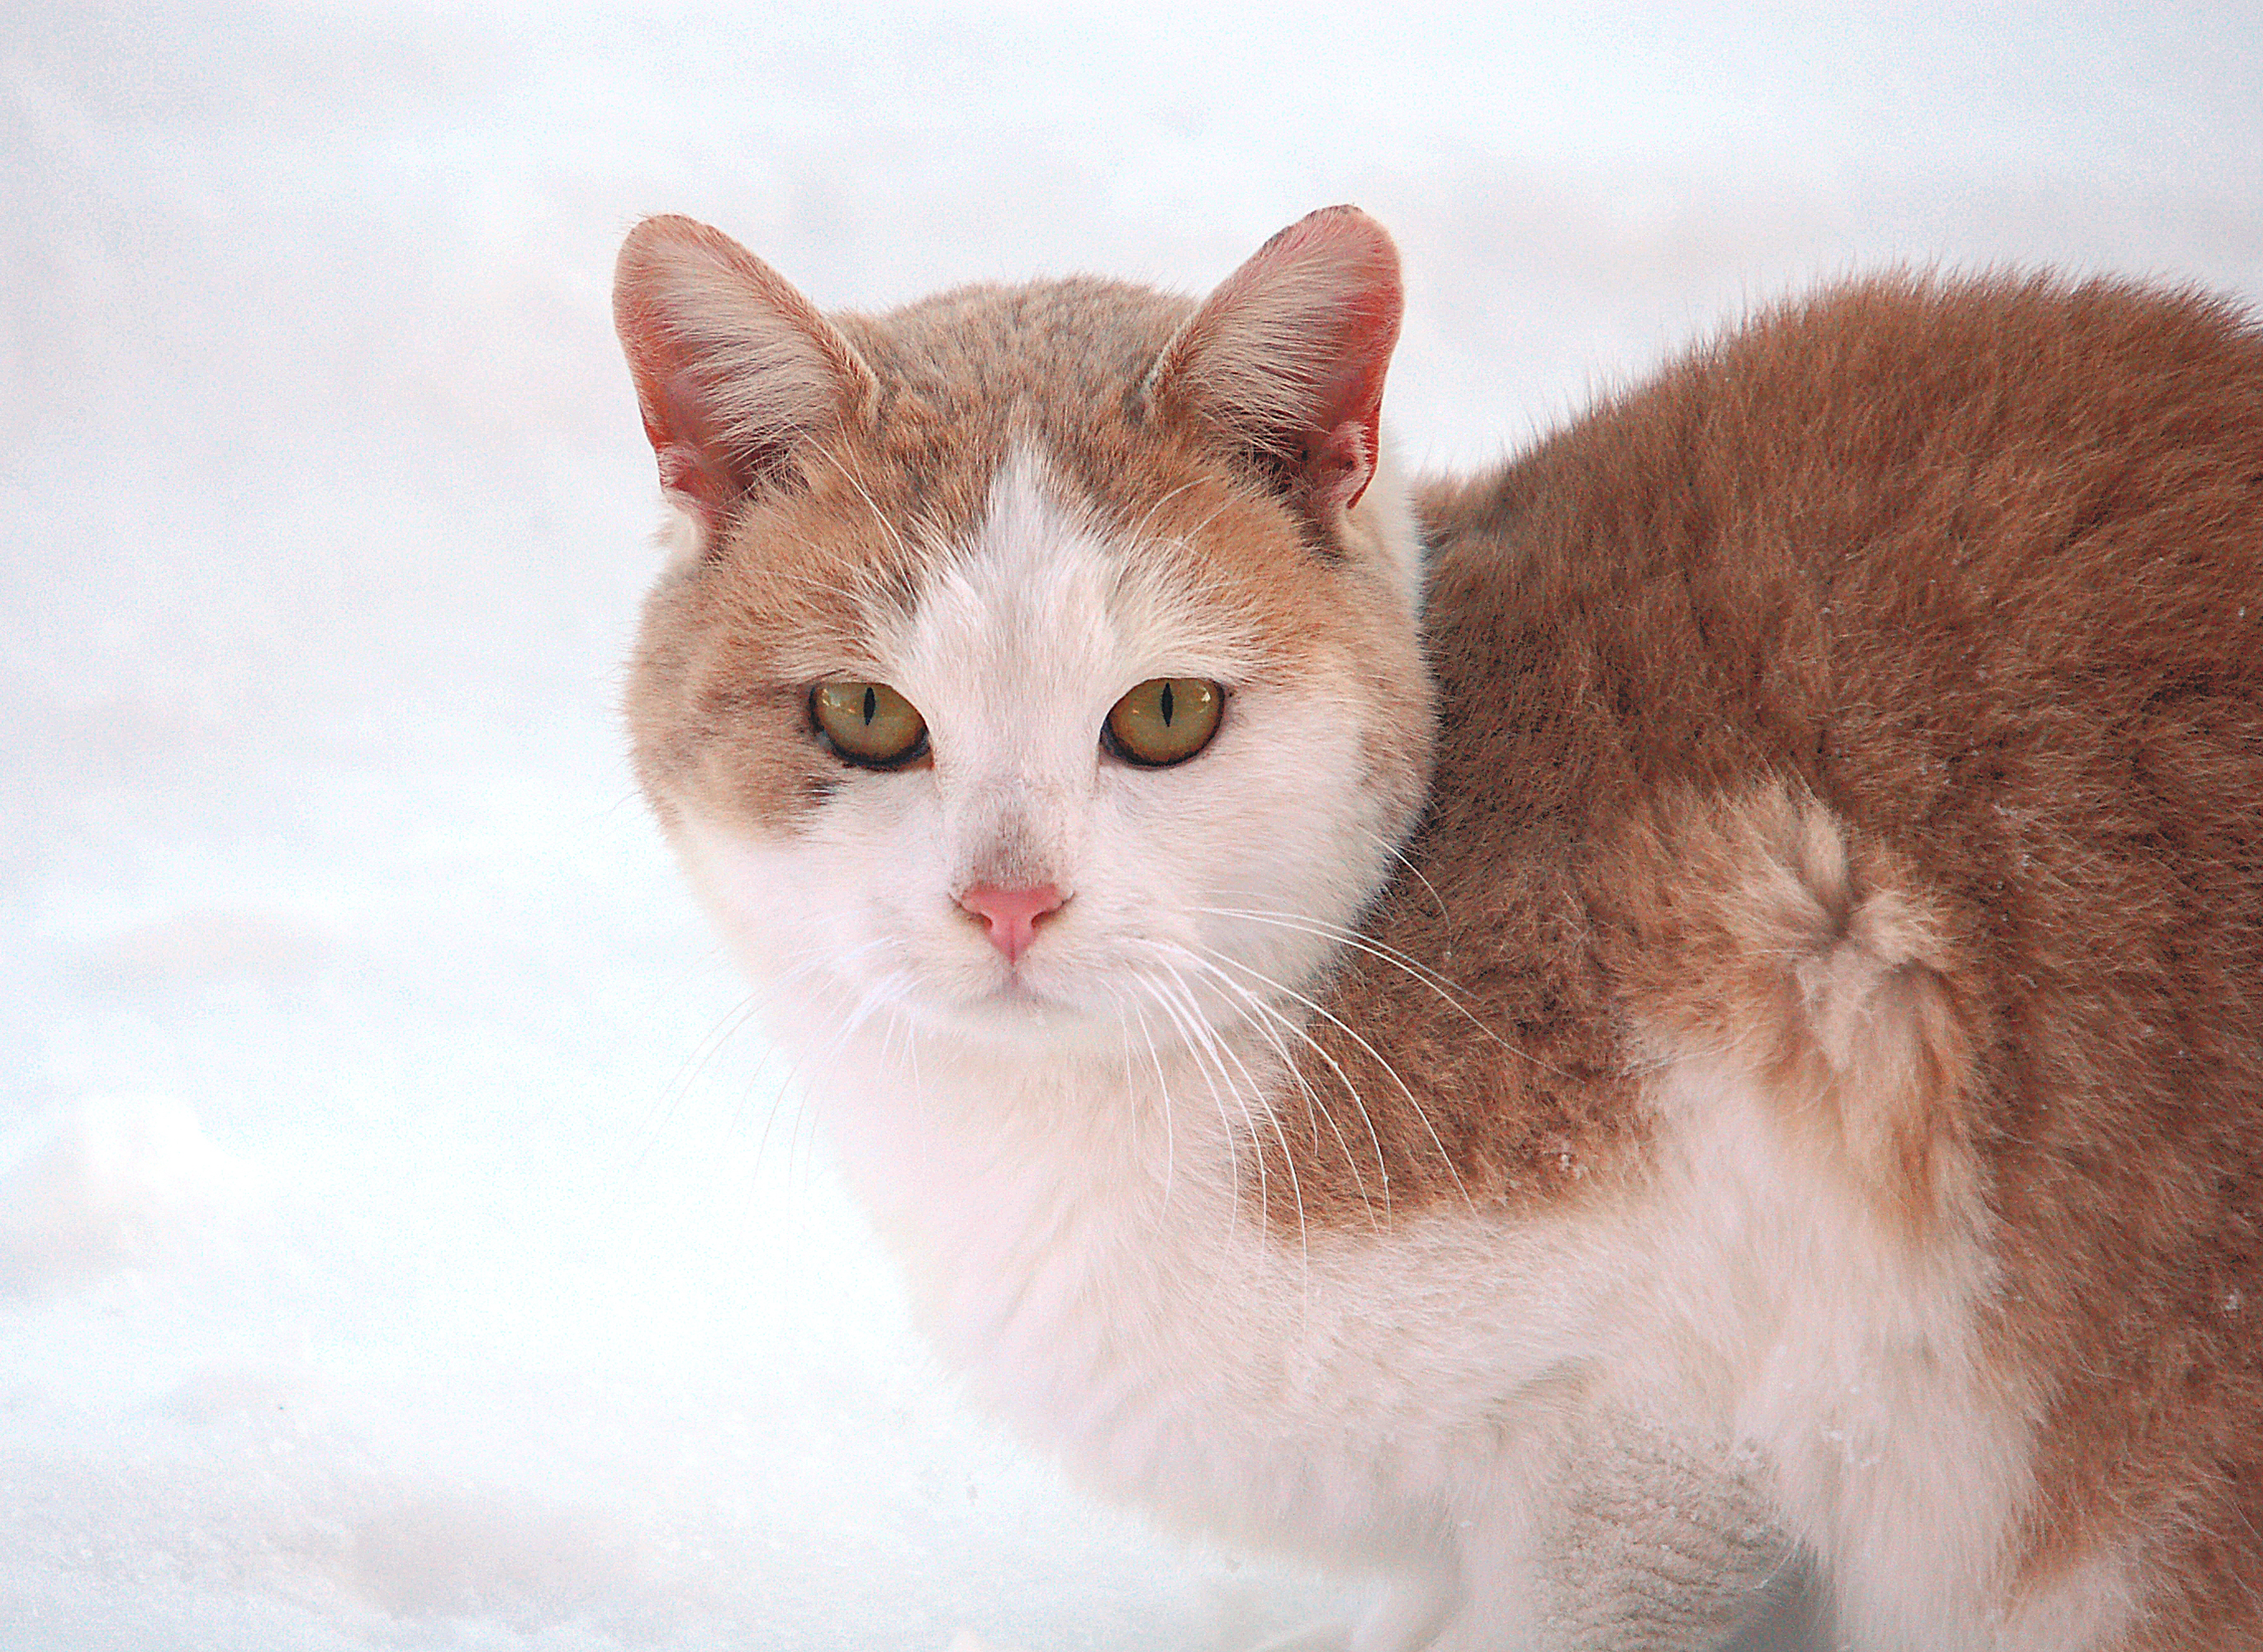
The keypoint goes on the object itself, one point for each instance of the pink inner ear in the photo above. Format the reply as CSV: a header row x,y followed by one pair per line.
x,y
696,462
668,398
1293,348
1342,465
692,460
1341,461
1350,414
733,366
684,469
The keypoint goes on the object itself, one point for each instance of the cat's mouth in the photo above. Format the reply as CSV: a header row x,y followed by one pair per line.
x,y
1010,1012
1018,1000
1015,988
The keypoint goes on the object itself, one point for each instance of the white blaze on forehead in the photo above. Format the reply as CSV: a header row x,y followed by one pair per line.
x,y
1038,623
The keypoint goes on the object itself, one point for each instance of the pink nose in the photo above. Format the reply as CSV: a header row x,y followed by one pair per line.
x,y
1011,914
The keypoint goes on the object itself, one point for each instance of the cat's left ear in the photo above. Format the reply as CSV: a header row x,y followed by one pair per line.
x,y
1289,353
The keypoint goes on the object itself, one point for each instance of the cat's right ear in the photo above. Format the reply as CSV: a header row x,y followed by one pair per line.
x,y
733,368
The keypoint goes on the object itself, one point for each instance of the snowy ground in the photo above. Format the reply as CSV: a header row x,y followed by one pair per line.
x,y
400,1243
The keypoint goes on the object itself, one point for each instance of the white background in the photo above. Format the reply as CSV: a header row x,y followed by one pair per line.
x,y
401,1244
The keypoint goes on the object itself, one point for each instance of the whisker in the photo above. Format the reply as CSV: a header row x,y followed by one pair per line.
x,y
1130,1087
1373,1054
850,476
873,997
663,1112
1159,504
1306,925
730,1022
911,1059
831,588
1192,1036
777,1096
1314,1100
1188,537
1163,1089
1170,1133
1397,852
1450,991
1201,1030
1259,1014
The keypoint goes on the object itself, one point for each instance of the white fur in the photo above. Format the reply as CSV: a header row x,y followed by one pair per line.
x,y
1015,658
1850,1361
1732,1359
1382,525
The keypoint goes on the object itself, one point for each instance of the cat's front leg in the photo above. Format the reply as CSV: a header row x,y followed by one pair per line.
x,y
1650,1547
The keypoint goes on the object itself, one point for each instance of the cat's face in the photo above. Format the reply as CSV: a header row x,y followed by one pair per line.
x,y
992,707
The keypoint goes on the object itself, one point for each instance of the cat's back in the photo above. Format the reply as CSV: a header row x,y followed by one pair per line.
x,y
1944,600
1842,534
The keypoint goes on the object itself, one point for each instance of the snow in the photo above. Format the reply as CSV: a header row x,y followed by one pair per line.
x,y
403,1241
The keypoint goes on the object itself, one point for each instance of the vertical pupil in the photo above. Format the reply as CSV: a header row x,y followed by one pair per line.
x,y
1167,705
871,703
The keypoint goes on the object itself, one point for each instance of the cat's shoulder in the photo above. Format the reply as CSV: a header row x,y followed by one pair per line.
x,y
1851,639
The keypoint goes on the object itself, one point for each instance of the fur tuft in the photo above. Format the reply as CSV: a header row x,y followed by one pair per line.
x,y
1756,936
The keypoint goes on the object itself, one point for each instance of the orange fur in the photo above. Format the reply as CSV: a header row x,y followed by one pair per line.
x,y
1881,693
1871,706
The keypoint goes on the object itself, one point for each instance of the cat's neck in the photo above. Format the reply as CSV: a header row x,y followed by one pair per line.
x,y
1005,1177
928,1113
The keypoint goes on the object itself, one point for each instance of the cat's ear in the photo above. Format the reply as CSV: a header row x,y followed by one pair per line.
x,y
1288,353
733,368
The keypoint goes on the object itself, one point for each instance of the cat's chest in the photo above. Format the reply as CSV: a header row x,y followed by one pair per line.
x,y
1105,1280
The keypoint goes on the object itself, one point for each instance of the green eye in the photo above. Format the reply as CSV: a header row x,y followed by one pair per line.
x,y
1164,721
868,724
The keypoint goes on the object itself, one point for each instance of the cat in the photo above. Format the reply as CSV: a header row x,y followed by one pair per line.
x,y
1578,1038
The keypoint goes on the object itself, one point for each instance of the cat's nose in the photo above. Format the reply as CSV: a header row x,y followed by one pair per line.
x,y
1012,913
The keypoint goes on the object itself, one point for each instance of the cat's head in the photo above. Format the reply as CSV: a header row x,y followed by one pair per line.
x,y
1036,658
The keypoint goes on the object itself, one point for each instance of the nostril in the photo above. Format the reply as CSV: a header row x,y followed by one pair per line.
x,y
1012,915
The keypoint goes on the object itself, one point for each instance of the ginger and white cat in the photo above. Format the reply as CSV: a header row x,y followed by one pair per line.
x,y
1573,1038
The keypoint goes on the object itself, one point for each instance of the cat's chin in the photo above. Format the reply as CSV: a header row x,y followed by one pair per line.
x,y
1013,1013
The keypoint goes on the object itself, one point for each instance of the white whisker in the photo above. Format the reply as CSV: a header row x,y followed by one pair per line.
x,y
808,966
1163,1089
1397,852
1373,1054
874,997
1449,990
879,516
1190,1037
1130,1087
1202,1030
1159,504
1258,1007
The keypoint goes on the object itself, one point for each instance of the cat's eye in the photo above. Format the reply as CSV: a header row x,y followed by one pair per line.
x,y
1164,721
868,724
